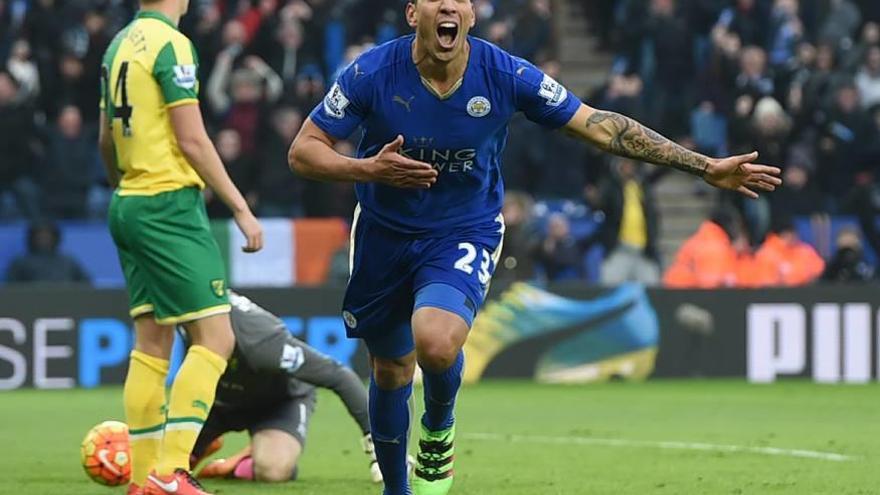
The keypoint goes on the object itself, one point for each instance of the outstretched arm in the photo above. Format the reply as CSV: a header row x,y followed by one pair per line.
x,y
623,136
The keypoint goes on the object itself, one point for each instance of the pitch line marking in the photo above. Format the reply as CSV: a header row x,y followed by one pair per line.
x,y
671,445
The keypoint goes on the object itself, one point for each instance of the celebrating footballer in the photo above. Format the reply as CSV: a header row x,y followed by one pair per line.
x,y
433,109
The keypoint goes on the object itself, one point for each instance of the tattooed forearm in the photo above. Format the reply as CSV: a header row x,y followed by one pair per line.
x,y
633,140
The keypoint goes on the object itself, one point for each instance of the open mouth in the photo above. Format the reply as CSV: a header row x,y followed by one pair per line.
x,y
447,34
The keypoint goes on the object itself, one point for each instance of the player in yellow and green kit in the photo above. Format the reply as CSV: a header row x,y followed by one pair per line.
x,y
159,157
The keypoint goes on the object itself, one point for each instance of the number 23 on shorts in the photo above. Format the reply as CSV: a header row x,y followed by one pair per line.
x,y
465,263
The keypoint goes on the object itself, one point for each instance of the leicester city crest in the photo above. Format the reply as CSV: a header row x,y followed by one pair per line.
x,y
350,320
478,106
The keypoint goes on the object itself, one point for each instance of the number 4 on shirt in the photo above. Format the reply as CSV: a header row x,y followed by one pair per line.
x,y
123,111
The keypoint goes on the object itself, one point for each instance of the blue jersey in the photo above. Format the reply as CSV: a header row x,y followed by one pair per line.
x,y
461,135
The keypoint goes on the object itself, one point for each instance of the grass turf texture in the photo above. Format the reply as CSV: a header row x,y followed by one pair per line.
x,y
41,431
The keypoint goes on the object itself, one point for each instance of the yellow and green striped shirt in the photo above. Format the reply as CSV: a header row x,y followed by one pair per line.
x,y
148,68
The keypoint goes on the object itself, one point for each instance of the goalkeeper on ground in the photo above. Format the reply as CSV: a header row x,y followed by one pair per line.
x,y
268,390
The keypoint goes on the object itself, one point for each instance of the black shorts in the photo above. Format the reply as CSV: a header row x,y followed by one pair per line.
x,y
291,416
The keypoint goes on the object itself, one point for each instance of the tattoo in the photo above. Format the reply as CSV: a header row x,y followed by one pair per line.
x,y
633,140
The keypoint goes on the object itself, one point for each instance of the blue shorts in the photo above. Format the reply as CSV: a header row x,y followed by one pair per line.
x,y
393,274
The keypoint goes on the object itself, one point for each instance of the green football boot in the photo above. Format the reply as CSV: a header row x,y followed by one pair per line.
x,y
433,474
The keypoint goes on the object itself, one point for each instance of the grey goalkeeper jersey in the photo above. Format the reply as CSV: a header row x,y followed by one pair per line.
x,y
269,365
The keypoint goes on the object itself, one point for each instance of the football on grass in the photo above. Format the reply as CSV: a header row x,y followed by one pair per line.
x,y
105,454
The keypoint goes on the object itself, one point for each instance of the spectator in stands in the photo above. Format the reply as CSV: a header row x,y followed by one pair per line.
x,y
841,21
97,39
624,93
498,32
521,239
43,261
17,133
799,197
745,20
672,48
283,51
754,78
783,260
710,258
69,165
241,96
72,85
44,23
840,144
532,30
770,129
206,32
629,232
785,31
241,169
278,192
870,10
848,263
766,129
818,86
560,254
22,67
252,55
857,55
709,129
309,87
868,78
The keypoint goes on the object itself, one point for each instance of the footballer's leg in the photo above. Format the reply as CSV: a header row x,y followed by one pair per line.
x,y
378,309
275,455
279,438
192,393
144,394
190,401
390,391
439,335
186,276
451,284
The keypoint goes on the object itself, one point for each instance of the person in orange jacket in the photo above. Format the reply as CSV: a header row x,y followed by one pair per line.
x,y
709,258
784,260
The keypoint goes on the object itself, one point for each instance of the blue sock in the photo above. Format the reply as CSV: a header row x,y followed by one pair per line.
x,y
440,391
389,423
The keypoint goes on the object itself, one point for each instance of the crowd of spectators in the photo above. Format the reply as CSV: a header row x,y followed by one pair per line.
x,y
797,80
264,64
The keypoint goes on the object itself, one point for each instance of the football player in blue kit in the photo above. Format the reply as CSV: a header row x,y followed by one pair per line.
x,y
433,109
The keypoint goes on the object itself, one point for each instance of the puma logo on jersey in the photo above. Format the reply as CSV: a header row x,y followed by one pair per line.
x,y
405,103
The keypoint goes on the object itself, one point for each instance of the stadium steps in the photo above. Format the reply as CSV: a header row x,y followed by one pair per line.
x,y
584,67
681,211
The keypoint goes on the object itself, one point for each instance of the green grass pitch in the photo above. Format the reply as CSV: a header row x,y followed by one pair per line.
x,y
662,437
